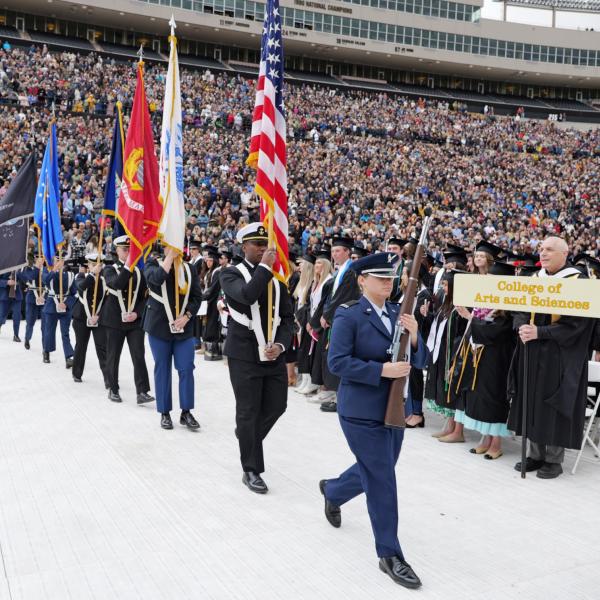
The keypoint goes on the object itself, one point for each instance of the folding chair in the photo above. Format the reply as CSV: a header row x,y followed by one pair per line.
x,y
591,413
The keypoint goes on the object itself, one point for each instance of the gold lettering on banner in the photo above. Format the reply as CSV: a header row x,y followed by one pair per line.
x,y
549,295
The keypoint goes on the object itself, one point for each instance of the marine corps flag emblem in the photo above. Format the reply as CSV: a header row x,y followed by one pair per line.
x,y
138,208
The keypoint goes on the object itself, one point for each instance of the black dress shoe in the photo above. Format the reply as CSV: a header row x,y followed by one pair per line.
x,y
329,406
16,338
27,346
419,424
400,572
254,482
333,513
76,379
114,396
530,465
46,357
187,419
106,385
69,363
549,471
144,397
165,421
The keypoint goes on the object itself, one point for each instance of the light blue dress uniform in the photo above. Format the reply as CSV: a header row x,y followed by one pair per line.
x,y
51,280
359,344
7,303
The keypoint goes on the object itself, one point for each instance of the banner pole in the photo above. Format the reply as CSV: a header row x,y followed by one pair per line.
x,y
97,275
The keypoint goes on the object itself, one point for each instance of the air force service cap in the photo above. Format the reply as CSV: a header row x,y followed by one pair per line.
x,y
254,232
381,264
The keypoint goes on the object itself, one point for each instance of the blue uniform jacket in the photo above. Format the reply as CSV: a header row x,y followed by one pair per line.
x,y
31,276
51,280
5,288
357,350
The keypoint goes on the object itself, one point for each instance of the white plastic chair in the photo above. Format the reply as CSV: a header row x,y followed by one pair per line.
x,y
593,377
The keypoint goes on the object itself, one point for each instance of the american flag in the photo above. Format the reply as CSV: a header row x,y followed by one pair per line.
x,y
267,142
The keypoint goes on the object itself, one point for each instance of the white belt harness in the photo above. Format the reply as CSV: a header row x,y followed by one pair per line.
x,y
119,293
52,294
86,307
255,324
163,297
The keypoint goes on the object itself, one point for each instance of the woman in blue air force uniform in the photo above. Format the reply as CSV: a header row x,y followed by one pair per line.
x,y
358,354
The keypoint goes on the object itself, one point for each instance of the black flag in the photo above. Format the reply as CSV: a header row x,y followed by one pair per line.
x,y
19,199
14,236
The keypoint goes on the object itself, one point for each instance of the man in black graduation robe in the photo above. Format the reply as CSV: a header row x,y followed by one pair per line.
x,y
558,348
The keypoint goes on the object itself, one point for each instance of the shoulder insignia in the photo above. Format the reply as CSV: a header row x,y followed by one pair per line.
x,y
349,304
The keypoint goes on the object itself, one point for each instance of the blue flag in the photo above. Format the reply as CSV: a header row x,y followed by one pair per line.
x,y
46,216
115,171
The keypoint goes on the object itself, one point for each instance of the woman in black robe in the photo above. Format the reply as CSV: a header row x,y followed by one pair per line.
x,y
445,341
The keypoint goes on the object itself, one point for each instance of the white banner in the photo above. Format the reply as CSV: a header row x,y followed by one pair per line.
x,y
172,225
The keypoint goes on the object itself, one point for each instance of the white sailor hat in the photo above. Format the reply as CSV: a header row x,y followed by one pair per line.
x,y
381,264
254,232
93,257
122,241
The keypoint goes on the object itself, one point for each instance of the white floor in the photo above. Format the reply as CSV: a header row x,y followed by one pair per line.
x,y
96,501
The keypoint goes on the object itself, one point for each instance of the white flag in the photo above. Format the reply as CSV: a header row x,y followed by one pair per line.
x,y
172,225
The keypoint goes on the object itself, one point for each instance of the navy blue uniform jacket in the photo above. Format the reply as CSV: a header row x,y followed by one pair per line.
x,y
357,351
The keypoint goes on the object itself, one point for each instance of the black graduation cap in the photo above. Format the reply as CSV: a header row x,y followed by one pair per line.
x,y
488,248
455,248
412,240
211,251
195,244
450,273
397,242
590,262
345,242
324,252
455,256
226,253
502,268
311,258
360,252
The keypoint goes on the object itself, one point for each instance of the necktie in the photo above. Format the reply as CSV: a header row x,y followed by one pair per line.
x,y
385,319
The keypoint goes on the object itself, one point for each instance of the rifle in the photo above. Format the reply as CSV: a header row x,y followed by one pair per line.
x,y
394,414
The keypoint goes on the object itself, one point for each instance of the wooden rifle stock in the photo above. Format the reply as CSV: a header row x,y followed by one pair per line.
x,y
394,413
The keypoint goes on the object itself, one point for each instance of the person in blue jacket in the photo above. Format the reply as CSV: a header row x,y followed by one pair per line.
x,y
58,308
34,298
11,299
358,353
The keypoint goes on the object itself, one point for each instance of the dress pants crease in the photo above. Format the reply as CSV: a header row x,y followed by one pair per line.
x,y
376,449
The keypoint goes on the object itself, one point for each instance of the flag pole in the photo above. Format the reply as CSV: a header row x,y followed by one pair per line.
x,y
97,275
177,262
270,288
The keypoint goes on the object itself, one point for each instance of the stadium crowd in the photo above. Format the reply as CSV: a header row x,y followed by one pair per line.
x,y
359,162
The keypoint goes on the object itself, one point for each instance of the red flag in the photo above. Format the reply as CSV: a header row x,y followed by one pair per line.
x,y
138,208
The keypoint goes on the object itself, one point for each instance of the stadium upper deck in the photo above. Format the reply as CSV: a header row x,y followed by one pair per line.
x,y
433,43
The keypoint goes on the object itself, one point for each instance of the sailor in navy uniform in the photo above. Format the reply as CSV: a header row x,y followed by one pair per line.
x,y
123,321
11,299
58,308
171,334
35,297
91,293
256,368
358,353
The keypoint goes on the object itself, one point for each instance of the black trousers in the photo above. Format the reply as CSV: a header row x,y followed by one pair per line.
x,y
260,399
82,338
115,338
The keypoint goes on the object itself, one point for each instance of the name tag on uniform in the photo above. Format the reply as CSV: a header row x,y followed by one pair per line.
x,y
40,301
